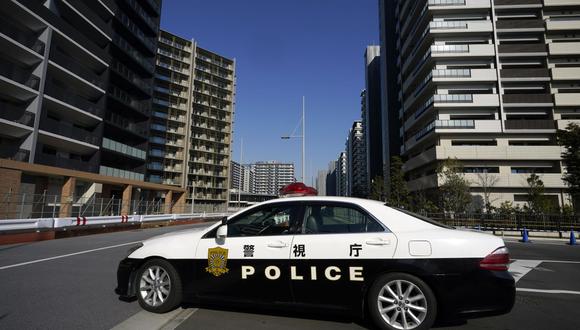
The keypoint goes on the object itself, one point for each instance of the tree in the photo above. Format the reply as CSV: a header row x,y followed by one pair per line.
x,y
570,139
378,189
506,209
487,182
536,198
398,192
455,196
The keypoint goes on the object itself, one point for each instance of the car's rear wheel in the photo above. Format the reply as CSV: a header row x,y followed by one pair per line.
x,y
159,287
401,301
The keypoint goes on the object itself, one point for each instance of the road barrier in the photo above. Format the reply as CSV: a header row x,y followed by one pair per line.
x,y
81,221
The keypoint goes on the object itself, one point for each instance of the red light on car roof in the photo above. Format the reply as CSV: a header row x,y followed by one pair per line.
x,y
297,189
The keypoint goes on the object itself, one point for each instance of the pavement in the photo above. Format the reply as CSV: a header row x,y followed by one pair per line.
x,y
68,284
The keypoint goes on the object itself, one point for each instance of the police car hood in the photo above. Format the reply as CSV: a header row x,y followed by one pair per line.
x,y
179,244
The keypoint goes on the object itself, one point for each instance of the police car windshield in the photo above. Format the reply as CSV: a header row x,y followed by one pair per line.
x,y
424,218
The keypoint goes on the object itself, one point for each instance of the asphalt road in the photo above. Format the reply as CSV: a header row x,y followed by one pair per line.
x,y
69,285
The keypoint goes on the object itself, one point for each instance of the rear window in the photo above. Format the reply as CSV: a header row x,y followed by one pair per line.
x,y
424,218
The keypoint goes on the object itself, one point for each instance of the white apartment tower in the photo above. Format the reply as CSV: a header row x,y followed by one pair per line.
x,y
271,176
487,82
192,117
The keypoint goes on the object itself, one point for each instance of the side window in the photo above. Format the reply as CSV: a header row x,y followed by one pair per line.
x,y
324,219
268,220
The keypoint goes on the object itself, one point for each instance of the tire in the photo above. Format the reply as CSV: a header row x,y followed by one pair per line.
x,y
158,286
387,310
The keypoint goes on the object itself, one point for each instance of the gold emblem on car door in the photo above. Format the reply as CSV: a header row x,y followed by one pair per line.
x,y
217,259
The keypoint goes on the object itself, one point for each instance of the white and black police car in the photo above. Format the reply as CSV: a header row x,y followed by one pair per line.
x,y
341,254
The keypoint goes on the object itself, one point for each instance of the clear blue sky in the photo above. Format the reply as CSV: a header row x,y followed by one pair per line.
x,y
286,49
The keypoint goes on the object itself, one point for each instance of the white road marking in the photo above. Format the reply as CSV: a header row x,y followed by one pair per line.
x,y
67,255
147,320
548,291
519,268
552,261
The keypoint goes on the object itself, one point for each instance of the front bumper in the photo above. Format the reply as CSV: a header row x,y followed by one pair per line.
x,y
126,278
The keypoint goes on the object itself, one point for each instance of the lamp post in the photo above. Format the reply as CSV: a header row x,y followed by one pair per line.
x,y
303,137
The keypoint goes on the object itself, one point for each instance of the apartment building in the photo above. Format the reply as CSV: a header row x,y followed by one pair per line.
x,y
76,88
486,82
356,161
371,113
191,126
242,177
342,175
271,176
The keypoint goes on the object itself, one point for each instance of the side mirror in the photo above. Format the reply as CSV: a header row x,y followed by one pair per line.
x,y
222,232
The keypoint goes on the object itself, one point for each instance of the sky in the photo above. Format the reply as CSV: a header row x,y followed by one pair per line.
x,y
285,50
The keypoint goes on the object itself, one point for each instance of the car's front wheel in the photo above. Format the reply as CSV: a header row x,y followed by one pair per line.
x,y
159,287
401,301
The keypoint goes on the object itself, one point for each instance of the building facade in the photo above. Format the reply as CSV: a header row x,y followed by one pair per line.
x,y
331,179
486,82
342,175
242,177
75,99
371,114
356,161
191,126
271,176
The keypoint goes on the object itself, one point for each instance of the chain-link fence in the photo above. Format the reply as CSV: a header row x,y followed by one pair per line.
x,y
31,206
517,221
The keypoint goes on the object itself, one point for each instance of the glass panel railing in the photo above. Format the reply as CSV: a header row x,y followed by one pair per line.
x,y
66,129
125,174
24,77
68,63
124,149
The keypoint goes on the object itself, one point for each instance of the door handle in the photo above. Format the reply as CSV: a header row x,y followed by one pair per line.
x,y
277,245
378,242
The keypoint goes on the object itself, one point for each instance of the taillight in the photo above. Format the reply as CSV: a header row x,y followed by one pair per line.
x,y
497,260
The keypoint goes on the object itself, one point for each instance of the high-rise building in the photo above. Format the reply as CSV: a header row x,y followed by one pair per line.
x,y
342,175
390,122
271,176
486,82
191,126
321,182
356,161
241,177
75,98
331,179
371,113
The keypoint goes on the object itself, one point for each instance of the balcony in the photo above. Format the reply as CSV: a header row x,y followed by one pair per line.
x,y
27,39
70,64
124,149
133,54
62,162
511,100
15,121
119,173
147,42
19,75
173,56
509,25
73,100
562,24
451,27
157,140
517,2
475,50
131,76
565,73
123,97
143,15
564,48
530,124
517,50
550,180
567,99
518,74
155,166
67,130
140,129
156,153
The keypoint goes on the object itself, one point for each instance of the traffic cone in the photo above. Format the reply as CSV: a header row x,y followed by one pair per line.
x,y
525,236
572,237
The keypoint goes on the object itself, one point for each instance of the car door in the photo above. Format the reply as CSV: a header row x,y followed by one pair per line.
x,y
251,262
339,249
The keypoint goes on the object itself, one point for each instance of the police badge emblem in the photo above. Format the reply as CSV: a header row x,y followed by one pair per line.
x,y
217,259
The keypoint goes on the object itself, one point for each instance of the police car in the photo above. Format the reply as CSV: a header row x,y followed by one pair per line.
x,y
341,254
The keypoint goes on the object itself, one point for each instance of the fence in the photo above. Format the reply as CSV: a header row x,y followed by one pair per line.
x,y
517,221
33,206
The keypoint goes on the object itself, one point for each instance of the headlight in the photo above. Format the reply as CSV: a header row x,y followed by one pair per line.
x,y
135,248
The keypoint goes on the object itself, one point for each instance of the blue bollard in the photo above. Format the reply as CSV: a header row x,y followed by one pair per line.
x,y
572,237
525,236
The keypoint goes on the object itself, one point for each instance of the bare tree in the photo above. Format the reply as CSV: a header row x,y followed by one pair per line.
x,y
487,182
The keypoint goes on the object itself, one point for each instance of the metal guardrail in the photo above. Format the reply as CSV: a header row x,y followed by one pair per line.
x,y
58,223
